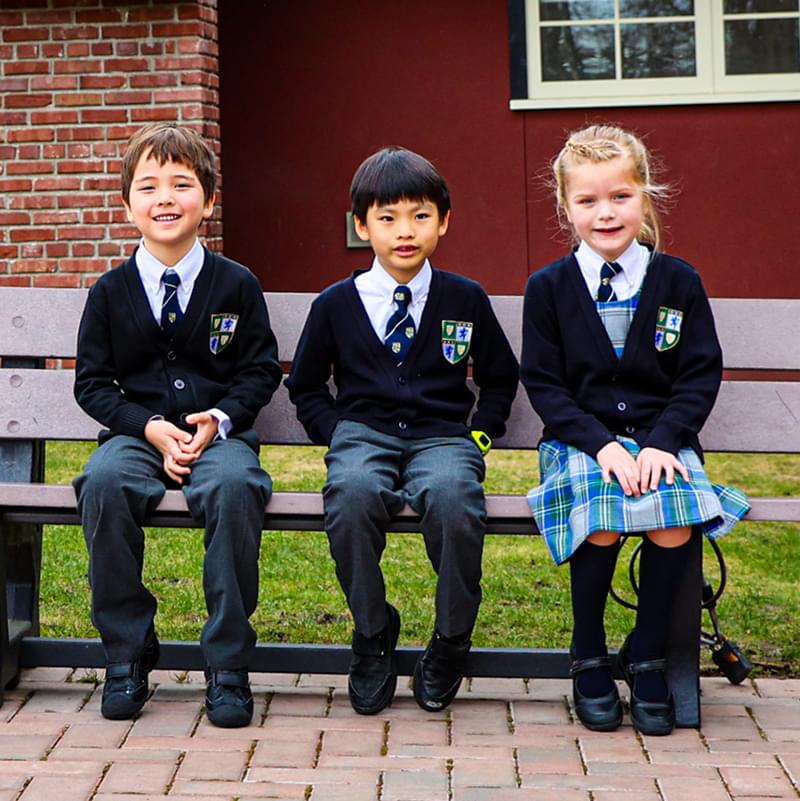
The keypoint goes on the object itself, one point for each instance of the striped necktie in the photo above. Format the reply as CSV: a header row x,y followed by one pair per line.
x,y
171,314
400,329
606,292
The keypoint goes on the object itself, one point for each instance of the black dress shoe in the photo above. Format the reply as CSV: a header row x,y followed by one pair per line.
x,y
125,689
439,671
372,678
229,701
598,714
655,718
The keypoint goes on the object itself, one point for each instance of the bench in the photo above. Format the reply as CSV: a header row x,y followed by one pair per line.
x,y
37,405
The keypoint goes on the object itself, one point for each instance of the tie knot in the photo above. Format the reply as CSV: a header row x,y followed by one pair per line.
x,y
402,296
171,279
609,270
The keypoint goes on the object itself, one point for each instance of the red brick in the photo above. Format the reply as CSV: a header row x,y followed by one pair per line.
x,y
198,46
9,18
126,48
81,201
79,99
54,82
126,65
109,249
186,63
105,149
125,31
13,117
78,50
28,51
197,12
153,80
101,184
69,166
14,84
55,250
198,112
26,67
97,216
122,131
77,151
9,251
29,168
83,249
102,81
54,151
102,48
82,265
57,184
30,152
151,48
6,52
57,50
99,15
33,250
14,218
14,280
48,17
33,202
103,115
23,33
199,78
62,117
56,218
58,280
63,32
157,14
79,66
151,114
34,266
87,133
28,101
127,98
114,166
82,232
124,232
182,96
16,185
32,235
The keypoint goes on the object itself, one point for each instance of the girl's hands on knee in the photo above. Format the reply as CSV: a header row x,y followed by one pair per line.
x,y
652,462
167,439
615,460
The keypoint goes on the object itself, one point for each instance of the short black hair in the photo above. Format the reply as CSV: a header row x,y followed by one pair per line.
x,y
393,174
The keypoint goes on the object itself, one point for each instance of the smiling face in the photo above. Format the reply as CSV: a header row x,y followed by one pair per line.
x,y
167,205
403,234
605,205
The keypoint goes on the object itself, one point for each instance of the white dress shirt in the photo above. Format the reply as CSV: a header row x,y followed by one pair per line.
x,y
625,283
376,289
151,270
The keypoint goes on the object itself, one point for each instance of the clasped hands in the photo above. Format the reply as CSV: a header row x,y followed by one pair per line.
x,y
637,476
178,447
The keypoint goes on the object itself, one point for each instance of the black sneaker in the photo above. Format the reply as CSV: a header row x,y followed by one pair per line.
x,y
229,701
372,678
439,671
125,690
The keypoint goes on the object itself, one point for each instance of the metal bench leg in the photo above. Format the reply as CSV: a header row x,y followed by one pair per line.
x,y
683,647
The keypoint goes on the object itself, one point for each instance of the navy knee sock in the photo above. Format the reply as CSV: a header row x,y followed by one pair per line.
x,y
660,574
591,572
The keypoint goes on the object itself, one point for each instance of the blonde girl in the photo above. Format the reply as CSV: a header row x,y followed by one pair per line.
x,y
621,361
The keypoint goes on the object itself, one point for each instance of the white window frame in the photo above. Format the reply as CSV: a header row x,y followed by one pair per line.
x,y
710,85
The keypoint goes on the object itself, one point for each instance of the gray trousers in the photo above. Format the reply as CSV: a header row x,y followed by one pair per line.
x,y
371,476
226,493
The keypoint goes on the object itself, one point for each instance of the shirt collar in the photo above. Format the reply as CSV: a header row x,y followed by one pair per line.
x,y
633,262
385,284
188,268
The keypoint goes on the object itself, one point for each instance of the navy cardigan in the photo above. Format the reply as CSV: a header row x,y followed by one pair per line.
x,y
585,395
426,395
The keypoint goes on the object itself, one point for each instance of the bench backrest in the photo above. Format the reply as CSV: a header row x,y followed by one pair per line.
x,y
750,415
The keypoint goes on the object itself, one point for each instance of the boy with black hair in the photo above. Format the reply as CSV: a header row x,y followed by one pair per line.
x,y
397,337
175,357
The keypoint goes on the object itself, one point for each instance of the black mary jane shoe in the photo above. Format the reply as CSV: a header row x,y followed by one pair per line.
x,y
654,718
598,714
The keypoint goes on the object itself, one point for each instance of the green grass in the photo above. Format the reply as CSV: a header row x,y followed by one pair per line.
x,y
526,598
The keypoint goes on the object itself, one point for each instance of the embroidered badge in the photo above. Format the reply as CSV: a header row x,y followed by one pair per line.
x,y
456,337
668,328
223,327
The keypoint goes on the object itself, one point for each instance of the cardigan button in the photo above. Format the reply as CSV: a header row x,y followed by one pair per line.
x,y
171,355
622,406
179,383
629,429
401,380
402,425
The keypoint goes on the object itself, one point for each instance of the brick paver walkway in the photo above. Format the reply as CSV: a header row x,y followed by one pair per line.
x,y
501,740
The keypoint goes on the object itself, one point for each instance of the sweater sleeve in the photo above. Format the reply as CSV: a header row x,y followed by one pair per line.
x,y
96,388
542,374
697,380
495,371
258,373
311,369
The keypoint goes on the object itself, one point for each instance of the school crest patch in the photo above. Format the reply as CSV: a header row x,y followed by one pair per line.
x,y
456,336
668,328
223,327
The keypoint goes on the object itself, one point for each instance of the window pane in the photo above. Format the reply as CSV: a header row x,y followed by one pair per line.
x,y
655,8
575,9
658,50
755,6
761,46
577,53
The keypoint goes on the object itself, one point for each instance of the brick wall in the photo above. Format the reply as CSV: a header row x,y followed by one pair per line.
x,y
77,78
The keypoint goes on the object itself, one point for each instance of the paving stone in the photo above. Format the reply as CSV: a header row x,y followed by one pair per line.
x,y
100,734
483,773
415,786
44,675
340,743
641,795
538,760
731,729
676,788
218,791
332,792
48,788
213,765
299,705
41,767
778,688
168,756
286,753
617,746
716,759
425,732
620,781
688,771
165,719
323,680
25,746
766,782
138,777
484,687
62,698
527,711
523,794
311,775
777,716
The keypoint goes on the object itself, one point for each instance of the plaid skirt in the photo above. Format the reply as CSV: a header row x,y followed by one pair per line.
x,y
573,501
